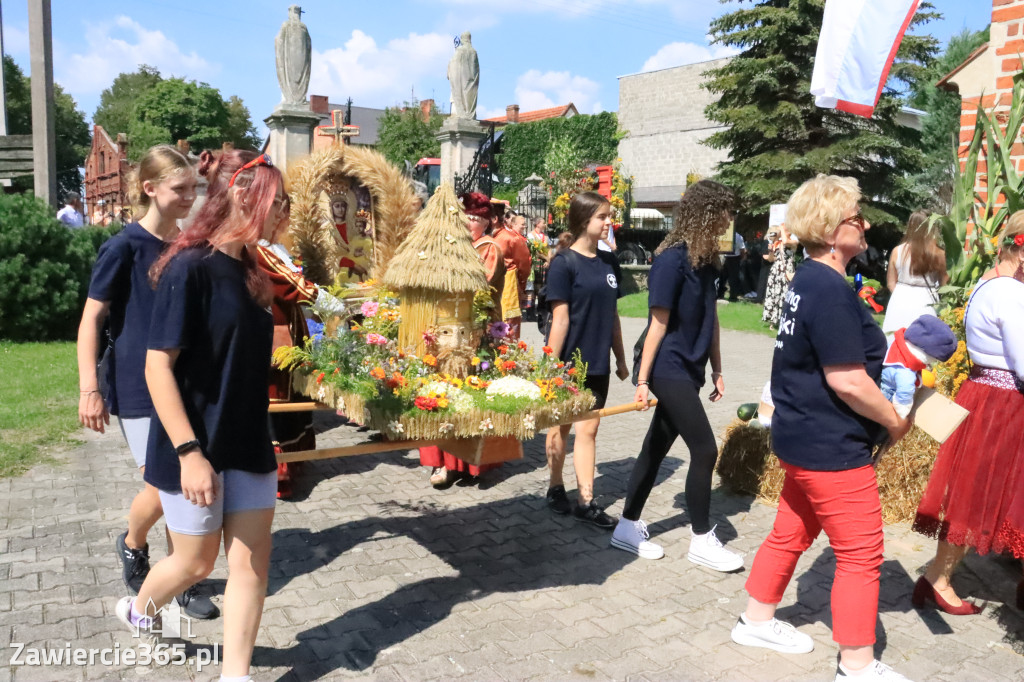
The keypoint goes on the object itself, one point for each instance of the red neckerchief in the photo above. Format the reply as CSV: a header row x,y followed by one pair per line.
x,y
899,354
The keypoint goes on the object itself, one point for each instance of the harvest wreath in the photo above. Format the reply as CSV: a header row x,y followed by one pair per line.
x,y
426,361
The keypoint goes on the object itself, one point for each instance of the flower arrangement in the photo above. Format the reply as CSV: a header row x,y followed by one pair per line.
x,y
509,390
951,374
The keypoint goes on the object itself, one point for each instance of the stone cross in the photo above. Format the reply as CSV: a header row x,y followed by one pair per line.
x,y
338,130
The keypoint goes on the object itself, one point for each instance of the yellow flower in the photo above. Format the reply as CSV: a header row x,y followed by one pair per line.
x,y
475,361
442,402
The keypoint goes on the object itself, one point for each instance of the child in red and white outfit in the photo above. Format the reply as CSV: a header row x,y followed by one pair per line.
x,y
926,341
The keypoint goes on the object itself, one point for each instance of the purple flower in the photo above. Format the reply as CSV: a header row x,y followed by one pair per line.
x,y
498,330
484,366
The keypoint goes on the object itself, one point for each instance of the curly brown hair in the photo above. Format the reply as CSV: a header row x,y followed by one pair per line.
x,y
697,221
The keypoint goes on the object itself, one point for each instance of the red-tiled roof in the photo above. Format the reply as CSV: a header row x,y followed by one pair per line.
x,y
537,115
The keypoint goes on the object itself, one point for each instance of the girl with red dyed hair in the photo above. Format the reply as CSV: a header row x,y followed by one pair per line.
x,y
210,454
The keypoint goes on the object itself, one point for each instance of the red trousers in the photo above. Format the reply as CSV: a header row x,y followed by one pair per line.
x,y
846,506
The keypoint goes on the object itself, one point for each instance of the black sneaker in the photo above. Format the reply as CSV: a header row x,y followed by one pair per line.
x,y
558,501
595,515
196,605
134,564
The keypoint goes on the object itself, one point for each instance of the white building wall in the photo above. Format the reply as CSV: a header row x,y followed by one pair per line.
x,y
663,114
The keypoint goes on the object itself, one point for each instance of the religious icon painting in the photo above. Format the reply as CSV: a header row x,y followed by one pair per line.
x,y
346,207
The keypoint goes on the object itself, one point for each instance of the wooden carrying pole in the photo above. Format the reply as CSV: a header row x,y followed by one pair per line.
x,y
390,445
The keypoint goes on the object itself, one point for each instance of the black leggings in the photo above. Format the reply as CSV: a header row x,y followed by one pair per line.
x,y
679,413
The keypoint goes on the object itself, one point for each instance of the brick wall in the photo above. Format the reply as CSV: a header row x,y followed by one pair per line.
x,y
663,113
1006,44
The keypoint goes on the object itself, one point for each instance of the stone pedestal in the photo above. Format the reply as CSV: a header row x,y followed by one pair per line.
x,y
291,135
460,138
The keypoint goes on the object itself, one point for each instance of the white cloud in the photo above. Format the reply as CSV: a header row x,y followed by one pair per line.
x,y
362,69
118,47
541,90
15,40
678,54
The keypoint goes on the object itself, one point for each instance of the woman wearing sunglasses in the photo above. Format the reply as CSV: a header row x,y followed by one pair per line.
x,y
210,454
829,413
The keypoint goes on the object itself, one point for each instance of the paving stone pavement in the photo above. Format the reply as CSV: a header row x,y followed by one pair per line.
x,y
375,575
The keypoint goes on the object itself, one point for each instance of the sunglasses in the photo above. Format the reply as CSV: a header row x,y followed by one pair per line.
x,y
261,160
856,221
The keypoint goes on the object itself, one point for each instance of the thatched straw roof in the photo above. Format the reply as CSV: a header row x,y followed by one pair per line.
x,y
438,253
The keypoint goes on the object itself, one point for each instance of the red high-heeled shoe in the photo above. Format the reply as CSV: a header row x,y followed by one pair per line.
x,y
923,592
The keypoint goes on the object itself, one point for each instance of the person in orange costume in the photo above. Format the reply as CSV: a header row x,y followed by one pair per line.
x,y
517,265
291,431
446,468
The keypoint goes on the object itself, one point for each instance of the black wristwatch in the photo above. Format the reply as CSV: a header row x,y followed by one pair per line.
x,y
187,447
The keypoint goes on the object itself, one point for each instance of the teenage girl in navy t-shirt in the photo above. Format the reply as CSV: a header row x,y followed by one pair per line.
x,y
682,338
583,288
162,189
207,368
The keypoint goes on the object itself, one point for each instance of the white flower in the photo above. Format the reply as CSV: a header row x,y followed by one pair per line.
x,y
487,425
555,413
515,387
321,394
529,423
458,400
446,428
396,427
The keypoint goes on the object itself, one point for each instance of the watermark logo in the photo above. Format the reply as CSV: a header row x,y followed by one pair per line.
x,y
161,642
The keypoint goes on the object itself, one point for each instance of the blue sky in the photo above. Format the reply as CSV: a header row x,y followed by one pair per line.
x,y
536,53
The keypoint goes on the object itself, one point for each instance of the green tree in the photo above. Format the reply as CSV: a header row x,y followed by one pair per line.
x,y
72,131
403,135
777,137
240,130
941,128
175,109
117,103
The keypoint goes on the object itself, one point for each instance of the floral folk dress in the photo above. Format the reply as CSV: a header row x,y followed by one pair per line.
x,y
778,282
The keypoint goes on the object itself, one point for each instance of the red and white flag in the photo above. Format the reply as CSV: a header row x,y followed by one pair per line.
x,y
858,42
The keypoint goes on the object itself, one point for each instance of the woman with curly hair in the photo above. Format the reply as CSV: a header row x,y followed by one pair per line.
x,y
682,337
779,277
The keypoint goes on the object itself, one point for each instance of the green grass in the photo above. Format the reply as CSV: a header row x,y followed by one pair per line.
x,y
740,316
39,404
744,317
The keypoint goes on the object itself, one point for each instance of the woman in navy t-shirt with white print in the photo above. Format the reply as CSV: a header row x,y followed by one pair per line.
x,y
583,289
829,415
207,368
682,338
162,189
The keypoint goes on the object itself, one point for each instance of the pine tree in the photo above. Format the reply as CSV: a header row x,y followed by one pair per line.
x,y
776,136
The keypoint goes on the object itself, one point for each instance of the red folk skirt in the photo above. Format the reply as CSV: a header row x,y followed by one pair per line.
x,y
433,456
975,495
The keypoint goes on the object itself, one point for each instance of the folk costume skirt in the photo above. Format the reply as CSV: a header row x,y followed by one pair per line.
x,y
975,495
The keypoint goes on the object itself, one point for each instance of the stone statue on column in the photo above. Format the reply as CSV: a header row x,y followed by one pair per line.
x,y
294,52
464,75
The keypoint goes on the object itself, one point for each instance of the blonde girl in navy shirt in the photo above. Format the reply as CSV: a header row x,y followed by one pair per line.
x,y
210,453
162,190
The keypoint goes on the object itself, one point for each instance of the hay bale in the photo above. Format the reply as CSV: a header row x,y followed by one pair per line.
x,y
745,451
748,466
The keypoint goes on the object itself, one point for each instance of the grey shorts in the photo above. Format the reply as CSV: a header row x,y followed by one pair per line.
x,y
238,491
136,432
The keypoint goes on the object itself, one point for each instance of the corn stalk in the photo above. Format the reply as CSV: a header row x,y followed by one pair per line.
x,y
969,231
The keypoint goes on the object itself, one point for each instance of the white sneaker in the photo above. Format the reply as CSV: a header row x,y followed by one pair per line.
x,y
875,672
631,536
123,611
707,550
775,634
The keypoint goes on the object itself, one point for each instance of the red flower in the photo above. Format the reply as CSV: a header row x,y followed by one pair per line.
x,y
502,349
320,377
571,371
508,366
425,403
1019,240
559,381
522,345
548,350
